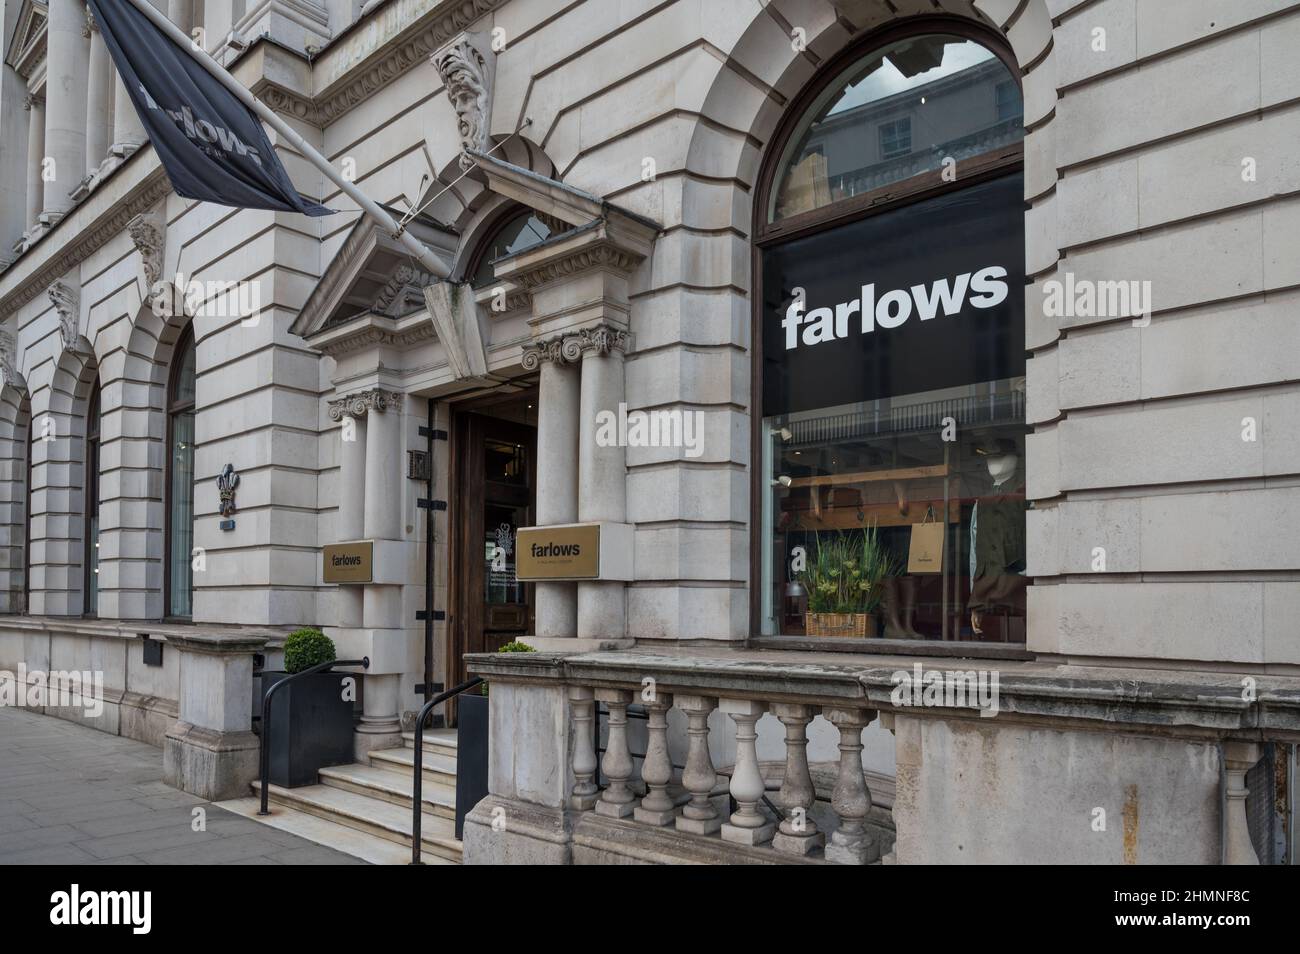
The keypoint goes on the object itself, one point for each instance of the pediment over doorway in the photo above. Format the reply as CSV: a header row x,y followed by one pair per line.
x,y
373,283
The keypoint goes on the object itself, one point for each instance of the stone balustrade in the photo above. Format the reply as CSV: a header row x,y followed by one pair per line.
x,y
658,757
647,788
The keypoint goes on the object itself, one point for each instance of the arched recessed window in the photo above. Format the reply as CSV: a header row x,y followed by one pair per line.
x,y
890,349
180,479
515,234
906,109
90,561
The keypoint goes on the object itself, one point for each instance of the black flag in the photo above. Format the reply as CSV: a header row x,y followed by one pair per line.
x,y
212,145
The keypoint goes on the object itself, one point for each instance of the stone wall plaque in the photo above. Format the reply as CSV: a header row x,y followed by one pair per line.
x,y
349,562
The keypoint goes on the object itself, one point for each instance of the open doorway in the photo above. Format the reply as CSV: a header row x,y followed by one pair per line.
x,y
493,481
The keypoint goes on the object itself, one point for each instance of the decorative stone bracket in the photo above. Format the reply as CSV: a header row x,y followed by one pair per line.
x,y
67,302
455,315
148,233
467,67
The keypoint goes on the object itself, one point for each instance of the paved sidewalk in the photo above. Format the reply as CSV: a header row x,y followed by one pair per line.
x,y
74,795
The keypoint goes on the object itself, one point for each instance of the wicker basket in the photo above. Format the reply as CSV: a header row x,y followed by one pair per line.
x,y
854,625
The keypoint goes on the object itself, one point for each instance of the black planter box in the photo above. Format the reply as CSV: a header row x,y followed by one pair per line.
x,y
471,755
311,726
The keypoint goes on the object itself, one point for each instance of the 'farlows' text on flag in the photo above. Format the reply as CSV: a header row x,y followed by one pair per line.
x,y
211,144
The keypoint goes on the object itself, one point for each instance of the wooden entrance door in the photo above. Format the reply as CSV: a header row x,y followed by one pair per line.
x,y
492,497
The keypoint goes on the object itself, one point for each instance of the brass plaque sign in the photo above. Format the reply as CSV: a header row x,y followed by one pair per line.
x,y
558,553
349,562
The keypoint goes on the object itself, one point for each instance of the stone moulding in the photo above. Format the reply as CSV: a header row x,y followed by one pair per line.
x,y
108,226
363,74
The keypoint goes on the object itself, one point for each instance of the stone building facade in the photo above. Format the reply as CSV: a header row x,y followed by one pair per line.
x,y
604,180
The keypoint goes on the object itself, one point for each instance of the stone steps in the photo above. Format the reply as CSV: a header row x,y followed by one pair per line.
x,y
370,813
436,741
438,768
394,786
321,831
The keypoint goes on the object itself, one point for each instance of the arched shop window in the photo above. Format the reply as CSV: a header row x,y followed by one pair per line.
x,y
90,491
180,479
890,349
518,232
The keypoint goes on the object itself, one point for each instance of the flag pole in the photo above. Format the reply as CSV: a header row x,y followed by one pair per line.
x,y
432,262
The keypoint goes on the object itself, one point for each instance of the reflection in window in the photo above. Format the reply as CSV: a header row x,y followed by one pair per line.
x,y
894,114
180,479
881,527
519,233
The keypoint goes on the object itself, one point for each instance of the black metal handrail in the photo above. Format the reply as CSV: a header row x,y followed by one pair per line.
x,y
417,790
264,755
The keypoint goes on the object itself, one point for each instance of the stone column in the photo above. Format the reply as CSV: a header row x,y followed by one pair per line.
x,y
602,475
128,131
99,100
352,501
35,156
181,13
381,612
211,750
557,475
67,59
1238,759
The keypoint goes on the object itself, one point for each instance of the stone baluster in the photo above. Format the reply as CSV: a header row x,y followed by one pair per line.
x,y
748,825
698,816
617,799
851,844
1238,759
798,834
657,769
585,792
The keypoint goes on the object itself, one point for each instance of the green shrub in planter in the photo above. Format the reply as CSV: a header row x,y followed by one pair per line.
x,y
305,648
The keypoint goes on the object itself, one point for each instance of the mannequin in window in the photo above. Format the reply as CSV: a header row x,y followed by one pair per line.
x,y
997,537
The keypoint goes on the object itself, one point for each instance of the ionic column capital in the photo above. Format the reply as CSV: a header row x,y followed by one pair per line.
x,y
359,403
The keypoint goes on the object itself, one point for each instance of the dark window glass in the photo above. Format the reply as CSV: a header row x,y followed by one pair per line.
x,y
892,438
180,480
518,233
91,493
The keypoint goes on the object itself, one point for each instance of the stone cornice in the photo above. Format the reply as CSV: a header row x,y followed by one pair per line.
x,y
110,223
363,66
603,255
373,331
359,403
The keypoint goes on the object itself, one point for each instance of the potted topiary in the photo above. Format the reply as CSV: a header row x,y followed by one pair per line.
x,y
311,718
472,744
